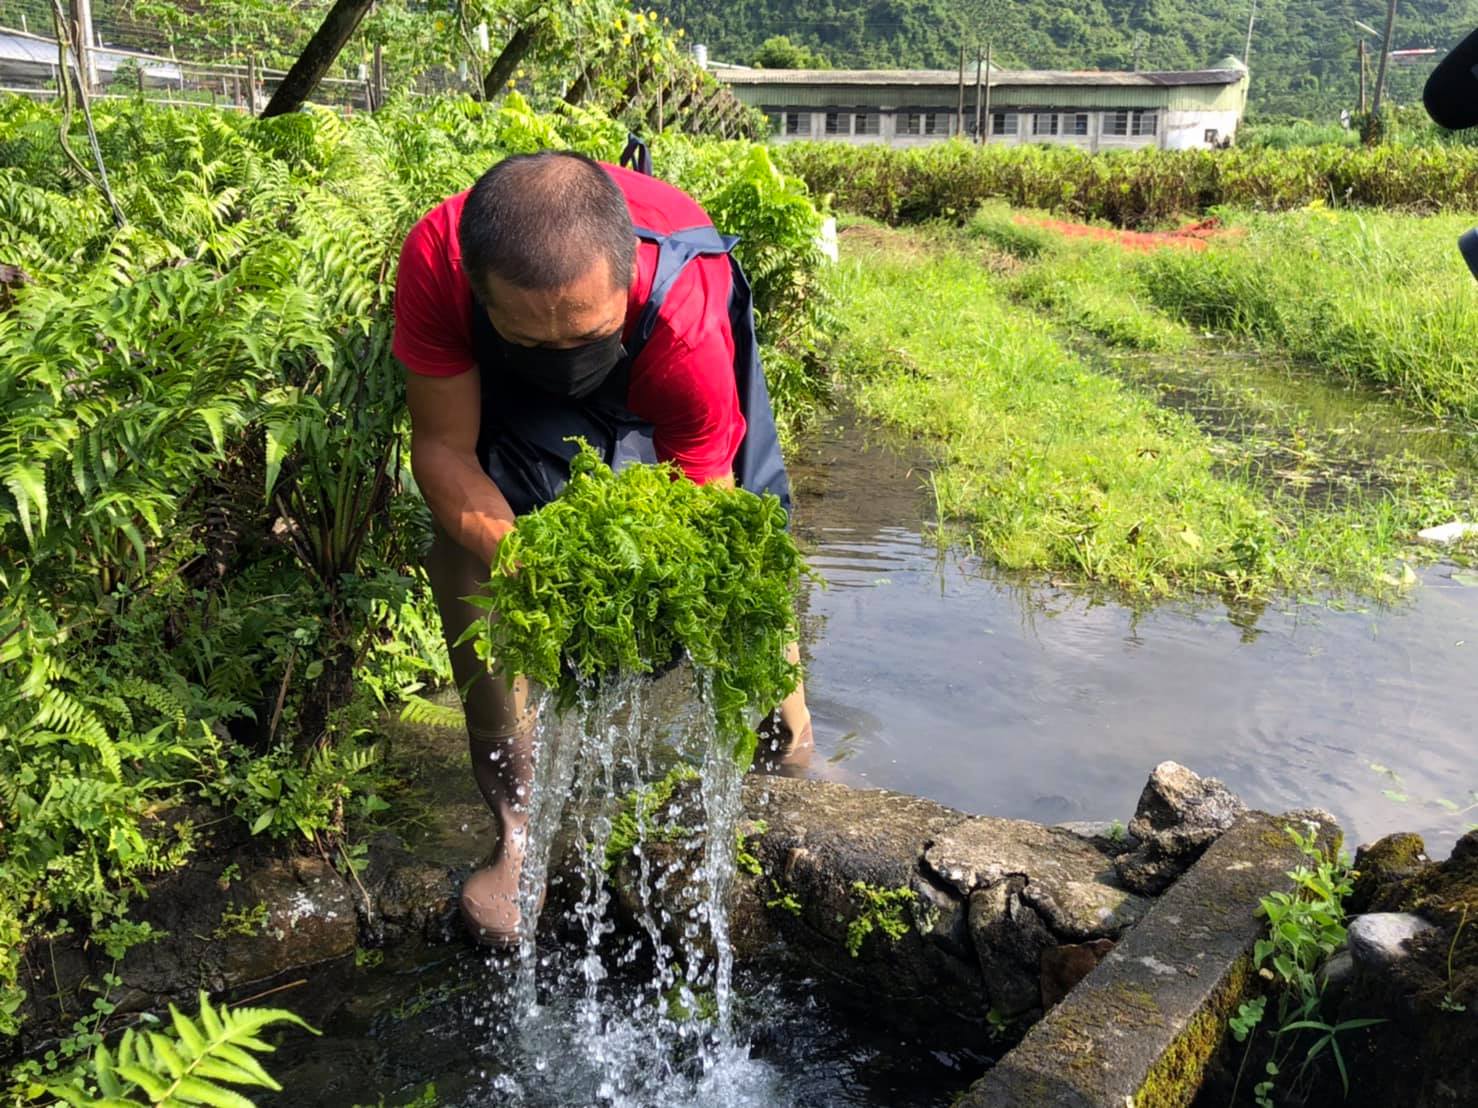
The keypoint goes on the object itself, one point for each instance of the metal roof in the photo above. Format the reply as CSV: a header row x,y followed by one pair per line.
x,y
924,78
33,55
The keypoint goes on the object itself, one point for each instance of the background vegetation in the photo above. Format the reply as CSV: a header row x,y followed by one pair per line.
x,y
208,534
1133,188
1381,299
1303,55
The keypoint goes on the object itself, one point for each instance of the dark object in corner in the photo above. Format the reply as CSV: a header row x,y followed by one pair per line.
x,y
1451,95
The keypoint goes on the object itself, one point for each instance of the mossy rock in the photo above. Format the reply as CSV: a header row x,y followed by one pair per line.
x,y
1445,893
1425,1054
1383,864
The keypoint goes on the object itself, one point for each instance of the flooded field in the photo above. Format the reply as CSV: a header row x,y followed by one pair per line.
x,y
930,674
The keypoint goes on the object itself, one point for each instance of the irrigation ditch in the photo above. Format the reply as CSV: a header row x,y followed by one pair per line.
x,y
938,926
917,952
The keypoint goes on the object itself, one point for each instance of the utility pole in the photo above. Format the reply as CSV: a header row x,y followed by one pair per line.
x,y
82,40
985,135
979,57
1362,76
1385,56
1247,50
960,110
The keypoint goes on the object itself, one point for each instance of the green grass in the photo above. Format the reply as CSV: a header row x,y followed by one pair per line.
x,y
1381,298
1089,286
1054,468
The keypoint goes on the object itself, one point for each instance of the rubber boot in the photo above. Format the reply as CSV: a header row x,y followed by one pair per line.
x,y
503,767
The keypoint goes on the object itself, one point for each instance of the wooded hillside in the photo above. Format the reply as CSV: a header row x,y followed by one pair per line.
x,y
1303,51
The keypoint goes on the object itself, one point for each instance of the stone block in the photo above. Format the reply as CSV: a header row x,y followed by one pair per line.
x,y
1142,1026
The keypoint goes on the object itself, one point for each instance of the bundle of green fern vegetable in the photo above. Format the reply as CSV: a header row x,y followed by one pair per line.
x,y
624,571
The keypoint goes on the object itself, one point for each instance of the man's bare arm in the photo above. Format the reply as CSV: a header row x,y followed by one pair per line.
x,y
445,415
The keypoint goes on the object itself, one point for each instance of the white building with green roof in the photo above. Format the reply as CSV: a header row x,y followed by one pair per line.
x,y
1094,110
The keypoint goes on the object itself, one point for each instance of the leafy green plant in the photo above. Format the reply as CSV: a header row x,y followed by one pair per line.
x,y
783,900
1305,927
280,796
745,859
195,1062
635,820
881,910
245,922
625,572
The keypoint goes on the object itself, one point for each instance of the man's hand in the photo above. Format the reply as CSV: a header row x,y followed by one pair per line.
x,y
445,416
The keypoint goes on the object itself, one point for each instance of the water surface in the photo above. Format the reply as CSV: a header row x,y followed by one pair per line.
x,y
929,673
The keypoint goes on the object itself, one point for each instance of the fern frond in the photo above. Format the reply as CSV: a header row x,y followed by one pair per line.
x,y
192,1064
423,713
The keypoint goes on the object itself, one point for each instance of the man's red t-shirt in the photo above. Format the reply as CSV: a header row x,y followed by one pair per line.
x,y
682,382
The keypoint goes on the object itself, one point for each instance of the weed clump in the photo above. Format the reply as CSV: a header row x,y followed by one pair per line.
x,y
882,910
638,821
624,572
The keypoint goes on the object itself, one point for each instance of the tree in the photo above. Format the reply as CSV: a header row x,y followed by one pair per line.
x,y
778,52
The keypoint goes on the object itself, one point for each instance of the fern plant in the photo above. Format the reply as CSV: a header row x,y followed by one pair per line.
x,y
207,533
196,1064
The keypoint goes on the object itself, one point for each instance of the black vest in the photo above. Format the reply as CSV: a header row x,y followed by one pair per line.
x,y
524,442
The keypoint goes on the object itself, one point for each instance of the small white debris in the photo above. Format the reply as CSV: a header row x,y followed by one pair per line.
x,y
826,241
1154,965
1448,533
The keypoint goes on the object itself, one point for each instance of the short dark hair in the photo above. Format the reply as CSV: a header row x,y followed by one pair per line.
x,y
538,220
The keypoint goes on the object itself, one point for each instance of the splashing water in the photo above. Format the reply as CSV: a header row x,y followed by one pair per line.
x,y
579,1029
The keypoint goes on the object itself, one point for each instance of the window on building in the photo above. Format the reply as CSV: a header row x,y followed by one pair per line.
x,y
1044,123
797,123
1212,136
908,123
1076,124
838,123
777,122
1135,121
867,123
1004,123
938,123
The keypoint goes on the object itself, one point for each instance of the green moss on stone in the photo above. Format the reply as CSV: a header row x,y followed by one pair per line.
x,y
1175,1078
1442,892
1385,862
636,820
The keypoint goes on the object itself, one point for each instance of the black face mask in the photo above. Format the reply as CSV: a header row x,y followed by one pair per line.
x,y
575,371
